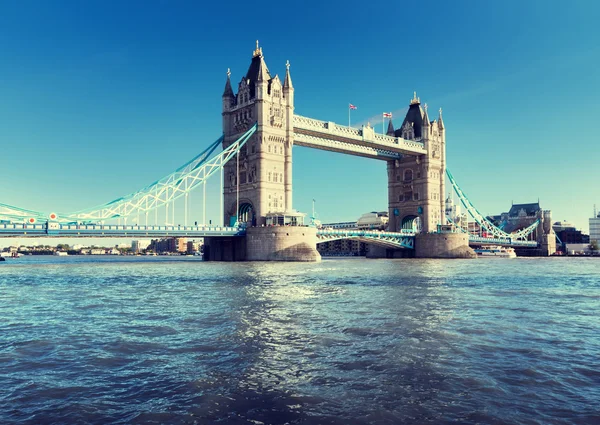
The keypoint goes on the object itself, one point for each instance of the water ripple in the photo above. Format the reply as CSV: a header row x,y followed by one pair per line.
x,y
345,341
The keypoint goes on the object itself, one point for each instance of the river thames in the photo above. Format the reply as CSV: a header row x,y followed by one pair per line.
x,y
345,341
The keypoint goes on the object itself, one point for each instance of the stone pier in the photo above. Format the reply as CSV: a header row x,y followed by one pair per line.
x,y
276,243
443,245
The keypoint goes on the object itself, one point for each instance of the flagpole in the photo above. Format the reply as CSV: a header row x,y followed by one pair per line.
x,y
349,115
383,125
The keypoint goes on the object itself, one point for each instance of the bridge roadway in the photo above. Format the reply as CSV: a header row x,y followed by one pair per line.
x,y
113,230
403,239
330,136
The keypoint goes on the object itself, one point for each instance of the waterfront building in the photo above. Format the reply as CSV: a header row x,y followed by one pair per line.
x,y
193,246
569,236
140,245
181,244
595,229
163,245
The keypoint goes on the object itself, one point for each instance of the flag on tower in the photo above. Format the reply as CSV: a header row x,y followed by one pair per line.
x,y
352,106
387,115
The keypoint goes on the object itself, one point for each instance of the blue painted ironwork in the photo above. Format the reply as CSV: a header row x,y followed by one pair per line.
x,y
484,222
480,240
158,194
403,239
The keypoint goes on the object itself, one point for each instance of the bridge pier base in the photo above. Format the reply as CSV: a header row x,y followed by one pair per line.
x,y
224,249
282,243
279,243
443,245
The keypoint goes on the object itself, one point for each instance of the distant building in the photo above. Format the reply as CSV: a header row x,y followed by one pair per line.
x,y
140,245
163,245
595,229
567,234
193,246
577,249
181,244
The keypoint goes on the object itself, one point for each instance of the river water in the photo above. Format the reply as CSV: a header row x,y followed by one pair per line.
x,y
345,341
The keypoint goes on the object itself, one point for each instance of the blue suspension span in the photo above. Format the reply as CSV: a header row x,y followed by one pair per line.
x,y
158,194
483,221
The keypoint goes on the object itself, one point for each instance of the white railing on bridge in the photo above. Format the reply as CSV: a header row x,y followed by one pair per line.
x,y
99,230
365,134
339,146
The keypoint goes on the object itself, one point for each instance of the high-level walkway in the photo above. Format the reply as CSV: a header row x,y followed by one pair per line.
x,y
327,135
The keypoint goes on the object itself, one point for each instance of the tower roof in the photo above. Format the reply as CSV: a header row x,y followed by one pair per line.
x,y
530,209
414,116
257,70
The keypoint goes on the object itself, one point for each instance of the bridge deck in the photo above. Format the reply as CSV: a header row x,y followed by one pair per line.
x,y
365,142
400,239
109,231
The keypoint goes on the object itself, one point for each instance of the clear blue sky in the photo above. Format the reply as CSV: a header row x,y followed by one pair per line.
x,y
100,98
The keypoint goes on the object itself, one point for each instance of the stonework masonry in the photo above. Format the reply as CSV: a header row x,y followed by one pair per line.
x,y
282,243
265,162
416,184
278,243
443,245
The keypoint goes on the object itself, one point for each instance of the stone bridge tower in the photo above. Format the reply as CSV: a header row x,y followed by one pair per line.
x,y
416,184
265,162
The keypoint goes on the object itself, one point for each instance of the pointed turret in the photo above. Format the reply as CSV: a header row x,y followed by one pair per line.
x,y
390,130
287,84
440,121
425,117
263,72
228,92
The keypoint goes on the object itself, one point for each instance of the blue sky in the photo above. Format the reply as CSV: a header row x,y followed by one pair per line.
x,y
100,98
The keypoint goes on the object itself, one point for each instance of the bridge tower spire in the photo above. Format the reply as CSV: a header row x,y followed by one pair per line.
x,y
390,129
265,170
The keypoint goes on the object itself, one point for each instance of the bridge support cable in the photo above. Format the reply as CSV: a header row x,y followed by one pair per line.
x,y
483,221
163,192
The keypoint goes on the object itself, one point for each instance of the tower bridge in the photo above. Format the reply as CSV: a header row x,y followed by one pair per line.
x,y
260,129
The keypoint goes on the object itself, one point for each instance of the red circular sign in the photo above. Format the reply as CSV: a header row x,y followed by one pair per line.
x,y
32,220
53,216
